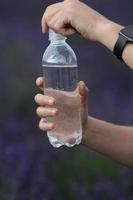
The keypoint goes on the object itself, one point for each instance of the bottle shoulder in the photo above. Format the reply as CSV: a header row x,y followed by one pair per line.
x,y
59,54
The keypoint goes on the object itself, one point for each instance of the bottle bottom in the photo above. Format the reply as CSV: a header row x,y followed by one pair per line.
x,y
69,142
67,130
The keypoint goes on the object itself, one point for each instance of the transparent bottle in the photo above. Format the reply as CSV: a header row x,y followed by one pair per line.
x,y
61,76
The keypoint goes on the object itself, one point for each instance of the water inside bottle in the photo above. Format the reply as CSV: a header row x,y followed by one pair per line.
x,y
67,130
62,77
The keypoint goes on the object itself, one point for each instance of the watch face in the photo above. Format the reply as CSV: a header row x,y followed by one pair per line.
x,y
128,32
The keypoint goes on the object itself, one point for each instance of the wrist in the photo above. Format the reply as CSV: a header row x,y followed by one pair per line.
x,y
108,34
86,131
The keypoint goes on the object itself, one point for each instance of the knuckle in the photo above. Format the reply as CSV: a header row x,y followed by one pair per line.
x,y
42,126
55,27
50,23
37,98
47,9
38,111
46,17
54,112
70,6
47,13
69,12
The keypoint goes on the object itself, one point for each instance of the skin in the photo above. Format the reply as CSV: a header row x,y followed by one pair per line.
x,y
63,18
43,101
108,139
111,140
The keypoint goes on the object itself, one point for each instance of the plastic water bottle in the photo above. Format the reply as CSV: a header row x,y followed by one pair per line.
x,y
61,76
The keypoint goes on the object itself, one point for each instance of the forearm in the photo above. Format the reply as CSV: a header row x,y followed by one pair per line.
x,y
108,37
110,140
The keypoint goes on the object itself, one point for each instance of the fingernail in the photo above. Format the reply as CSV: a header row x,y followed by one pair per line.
x,y
51,101
54,112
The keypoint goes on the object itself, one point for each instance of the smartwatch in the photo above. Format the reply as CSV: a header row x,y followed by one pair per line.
x,y
125,37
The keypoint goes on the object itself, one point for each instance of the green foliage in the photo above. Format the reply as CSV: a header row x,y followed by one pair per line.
x,y
84,167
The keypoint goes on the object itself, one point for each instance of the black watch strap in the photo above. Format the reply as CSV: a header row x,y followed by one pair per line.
x,y
119,46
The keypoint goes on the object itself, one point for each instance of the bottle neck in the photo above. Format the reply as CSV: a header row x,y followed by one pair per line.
x,y
56,38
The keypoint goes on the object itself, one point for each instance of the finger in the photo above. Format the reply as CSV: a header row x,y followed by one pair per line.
x,y
81,86
40,83
48,14
44,100
56,23
83,91
44,25
45,126
59,23
69,31
46,112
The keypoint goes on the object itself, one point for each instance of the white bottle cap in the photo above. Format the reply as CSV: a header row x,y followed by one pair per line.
x,y
55,36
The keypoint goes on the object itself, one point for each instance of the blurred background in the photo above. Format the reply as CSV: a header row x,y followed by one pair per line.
x,y
29,167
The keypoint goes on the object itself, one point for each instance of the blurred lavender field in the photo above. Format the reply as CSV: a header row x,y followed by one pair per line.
x,y
29,167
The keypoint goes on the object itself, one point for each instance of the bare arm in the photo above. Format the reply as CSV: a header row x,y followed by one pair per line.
x,y
64,18
110,140
109,36
113,141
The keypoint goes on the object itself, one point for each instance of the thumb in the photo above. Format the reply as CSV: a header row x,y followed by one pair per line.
x,y
40,83
83,91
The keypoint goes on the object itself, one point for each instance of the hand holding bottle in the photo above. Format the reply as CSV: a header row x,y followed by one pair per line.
x,y
46,106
